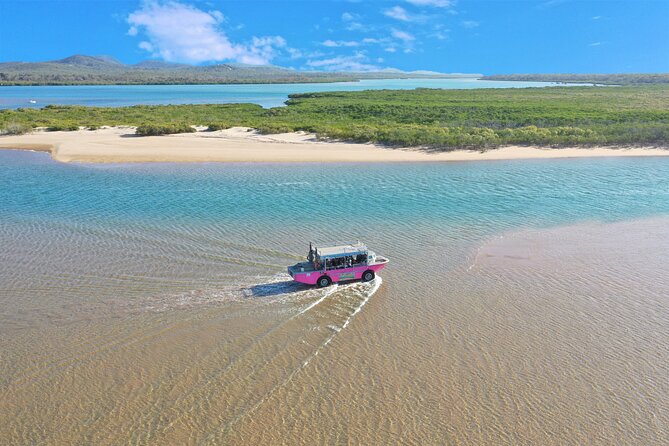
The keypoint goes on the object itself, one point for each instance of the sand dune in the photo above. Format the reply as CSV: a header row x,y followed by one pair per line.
x,y
119,144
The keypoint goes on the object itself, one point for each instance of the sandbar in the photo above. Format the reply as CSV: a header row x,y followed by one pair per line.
x,y
239,144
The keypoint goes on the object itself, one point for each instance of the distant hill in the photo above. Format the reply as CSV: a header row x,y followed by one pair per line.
x,y
610,79
158,65
105,70
89,61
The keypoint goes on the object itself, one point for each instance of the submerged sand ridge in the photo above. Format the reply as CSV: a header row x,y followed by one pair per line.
x,y
239,144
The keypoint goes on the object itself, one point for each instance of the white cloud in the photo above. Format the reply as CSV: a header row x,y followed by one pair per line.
x,y
390,49
434,3
402,35
597,17
340,43
294,53
470,24
355,26
357,62
178,32
595,44
352,21
261,50
397,13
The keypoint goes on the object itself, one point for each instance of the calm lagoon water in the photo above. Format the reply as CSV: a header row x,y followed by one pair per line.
x,y
267,95
149,304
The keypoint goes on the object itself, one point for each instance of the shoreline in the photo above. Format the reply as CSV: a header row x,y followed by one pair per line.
x,y
240,144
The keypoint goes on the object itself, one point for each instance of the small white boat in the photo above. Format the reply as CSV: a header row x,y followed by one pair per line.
x,y
32,101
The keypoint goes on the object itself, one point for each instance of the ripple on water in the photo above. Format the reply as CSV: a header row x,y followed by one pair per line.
x,y
158,290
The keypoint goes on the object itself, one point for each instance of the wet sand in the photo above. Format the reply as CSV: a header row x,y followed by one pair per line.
x,y
119,145
556,336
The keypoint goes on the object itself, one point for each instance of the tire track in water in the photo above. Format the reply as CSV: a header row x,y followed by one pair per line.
x,y
258,371
228,426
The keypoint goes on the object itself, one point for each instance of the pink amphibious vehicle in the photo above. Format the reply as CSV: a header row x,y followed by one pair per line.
x,y
337,264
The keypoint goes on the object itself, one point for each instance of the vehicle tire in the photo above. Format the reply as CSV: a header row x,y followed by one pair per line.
x,y
324,281
368,276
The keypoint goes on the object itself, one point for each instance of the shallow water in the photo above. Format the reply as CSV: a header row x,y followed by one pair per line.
x,y
149,304
267,95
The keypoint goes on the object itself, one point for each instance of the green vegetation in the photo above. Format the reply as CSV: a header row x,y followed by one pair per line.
x,y
439,119
217,126
163,129
608,79
63,127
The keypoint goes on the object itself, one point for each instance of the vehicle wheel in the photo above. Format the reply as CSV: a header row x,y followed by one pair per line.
x,y
368,276
324,281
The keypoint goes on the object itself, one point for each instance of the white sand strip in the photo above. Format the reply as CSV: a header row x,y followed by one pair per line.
x,y
119,145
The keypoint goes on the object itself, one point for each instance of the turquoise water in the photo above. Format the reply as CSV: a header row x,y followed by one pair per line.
x,y
267,95
355,198
149,303
231,223
257,218
254,219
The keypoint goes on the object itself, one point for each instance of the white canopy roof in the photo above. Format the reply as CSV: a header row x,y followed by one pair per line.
x,y
342,250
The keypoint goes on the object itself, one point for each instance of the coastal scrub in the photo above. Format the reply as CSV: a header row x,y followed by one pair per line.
x,y
432,118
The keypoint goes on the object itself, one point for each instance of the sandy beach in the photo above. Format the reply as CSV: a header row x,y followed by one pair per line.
x,y
119,144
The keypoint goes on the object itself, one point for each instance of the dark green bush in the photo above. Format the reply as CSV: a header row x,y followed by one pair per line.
x,y
219,126
63,127
163,129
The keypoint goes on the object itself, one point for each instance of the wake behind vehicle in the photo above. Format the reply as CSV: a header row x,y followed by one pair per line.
x,y
332,264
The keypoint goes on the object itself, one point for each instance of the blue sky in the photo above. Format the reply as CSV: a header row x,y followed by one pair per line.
x,y
498,36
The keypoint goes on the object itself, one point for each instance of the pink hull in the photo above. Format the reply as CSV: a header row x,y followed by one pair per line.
x,y
337,275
